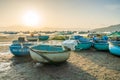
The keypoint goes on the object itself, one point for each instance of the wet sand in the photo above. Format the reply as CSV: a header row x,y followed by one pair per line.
x,y
82,65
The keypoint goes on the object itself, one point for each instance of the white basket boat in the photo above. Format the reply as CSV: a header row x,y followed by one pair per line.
x,y
49,53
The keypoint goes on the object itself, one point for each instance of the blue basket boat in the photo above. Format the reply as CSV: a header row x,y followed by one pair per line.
x,y
83,46
101,45
20,50
43,37
49,53
114,47
83,43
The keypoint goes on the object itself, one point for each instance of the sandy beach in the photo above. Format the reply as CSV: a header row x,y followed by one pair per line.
x,y
82,65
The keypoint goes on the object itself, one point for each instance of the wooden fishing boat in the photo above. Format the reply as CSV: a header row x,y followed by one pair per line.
x,y
101,45
114,47
42,37
19,49
78,43
32,38
83,43
83,46
49,53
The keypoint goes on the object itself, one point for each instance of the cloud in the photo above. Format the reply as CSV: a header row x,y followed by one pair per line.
x,y
112,7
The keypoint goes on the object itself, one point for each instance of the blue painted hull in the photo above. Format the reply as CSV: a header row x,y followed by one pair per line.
x,y
18,50
114,48
101,46
83,45
43,37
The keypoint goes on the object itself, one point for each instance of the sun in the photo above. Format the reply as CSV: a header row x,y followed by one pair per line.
x,y
31,18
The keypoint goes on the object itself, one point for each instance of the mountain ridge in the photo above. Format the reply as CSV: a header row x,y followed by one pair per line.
x,y
110,28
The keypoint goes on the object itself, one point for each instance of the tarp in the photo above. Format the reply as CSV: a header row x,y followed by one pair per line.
x,y
70,44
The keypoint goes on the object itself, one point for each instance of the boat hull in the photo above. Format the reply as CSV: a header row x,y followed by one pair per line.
x,y
83,46
55,57
101,46
32,38
43,37
114,48
49,53
18,50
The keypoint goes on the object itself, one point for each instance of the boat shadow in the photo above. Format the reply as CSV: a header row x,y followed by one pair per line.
x,y
25,66
77,67
101,58
65,71
20,59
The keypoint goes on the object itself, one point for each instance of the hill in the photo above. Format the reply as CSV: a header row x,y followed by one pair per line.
x,y
111,28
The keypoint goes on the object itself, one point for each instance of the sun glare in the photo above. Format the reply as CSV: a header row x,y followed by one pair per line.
x,y
31,19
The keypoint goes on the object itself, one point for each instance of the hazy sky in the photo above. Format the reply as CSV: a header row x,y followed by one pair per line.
x,y
82,14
